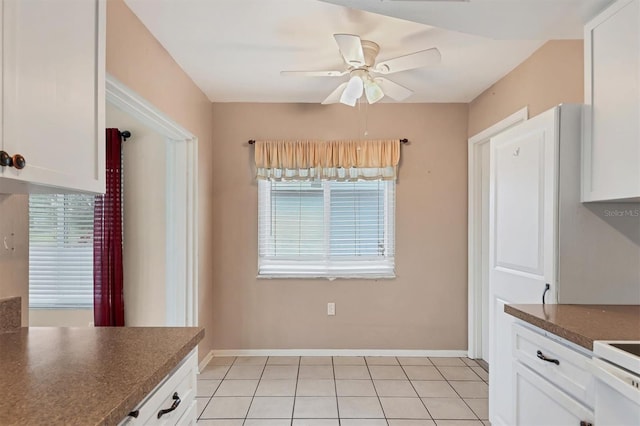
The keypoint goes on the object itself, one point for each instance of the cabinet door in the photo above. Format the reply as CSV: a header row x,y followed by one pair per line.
x,y
538,402
53,92
611,143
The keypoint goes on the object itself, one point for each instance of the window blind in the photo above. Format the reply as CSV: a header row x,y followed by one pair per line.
x,y
326,228
61,251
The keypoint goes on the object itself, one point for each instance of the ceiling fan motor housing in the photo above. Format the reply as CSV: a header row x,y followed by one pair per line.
x,y
370,50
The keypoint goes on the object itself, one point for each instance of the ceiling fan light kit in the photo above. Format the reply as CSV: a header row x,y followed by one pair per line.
x,y
360,58
372,90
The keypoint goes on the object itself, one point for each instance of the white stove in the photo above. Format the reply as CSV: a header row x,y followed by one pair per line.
x,y
616,367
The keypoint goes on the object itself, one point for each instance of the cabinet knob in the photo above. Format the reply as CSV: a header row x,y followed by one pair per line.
x,y
19,162
583,423
5,159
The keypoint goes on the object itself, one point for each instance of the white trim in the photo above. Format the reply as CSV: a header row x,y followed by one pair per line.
x,y
127,100
341,352
502,125
192,234
205,361
100,106
474,264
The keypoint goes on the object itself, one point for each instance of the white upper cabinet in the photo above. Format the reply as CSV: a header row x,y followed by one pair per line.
x,y
53,66
611,140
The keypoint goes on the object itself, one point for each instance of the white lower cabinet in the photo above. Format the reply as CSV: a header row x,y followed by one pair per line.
x,y
538,402
552,382
190,417
173,401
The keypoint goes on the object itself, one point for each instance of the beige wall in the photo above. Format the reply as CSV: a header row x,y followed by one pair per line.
x,y
60,317
14,262
137,59
554,74
425,307
144,221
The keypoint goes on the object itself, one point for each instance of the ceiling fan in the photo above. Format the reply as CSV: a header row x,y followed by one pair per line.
x,y
360,58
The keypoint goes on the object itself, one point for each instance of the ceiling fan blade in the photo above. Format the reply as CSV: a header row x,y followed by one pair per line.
x,y
313,73
408,62
334,97
350,48
393,90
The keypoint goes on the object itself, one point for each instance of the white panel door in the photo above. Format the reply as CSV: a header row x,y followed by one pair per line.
x,y
522,240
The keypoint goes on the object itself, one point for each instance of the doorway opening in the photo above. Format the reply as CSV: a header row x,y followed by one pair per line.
x,y
478,237
162,196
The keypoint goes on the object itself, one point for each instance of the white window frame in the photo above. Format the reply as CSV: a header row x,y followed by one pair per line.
x,y
364,267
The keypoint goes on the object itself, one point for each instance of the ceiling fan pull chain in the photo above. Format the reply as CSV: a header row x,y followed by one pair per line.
x,y
366,119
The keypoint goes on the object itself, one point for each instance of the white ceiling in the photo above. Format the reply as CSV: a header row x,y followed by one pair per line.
x,y
497,19
234,50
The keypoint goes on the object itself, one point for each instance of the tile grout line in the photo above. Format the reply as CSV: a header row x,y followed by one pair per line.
x,y
456,391
335,387
416,391
295,390
215,390
373,383
255,391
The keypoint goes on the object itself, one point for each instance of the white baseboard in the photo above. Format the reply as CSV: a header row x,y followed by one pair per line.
x,y
205,361
338,352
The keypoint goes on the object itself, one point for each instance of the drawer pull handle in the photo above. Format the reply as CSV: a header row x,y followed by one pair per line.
x,y
544,358
176,403
134,414
583,423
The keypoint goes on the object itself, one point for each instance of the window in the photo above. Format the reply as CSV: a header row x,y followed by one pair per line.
x,y
61,251
326,229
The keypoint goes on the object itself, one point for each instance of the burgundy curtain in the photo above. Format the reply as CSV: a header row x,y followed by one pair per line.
x,y
108,303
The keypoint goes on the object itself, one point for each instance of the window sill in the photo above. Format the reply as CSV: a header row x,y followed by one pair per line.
x,y
322,277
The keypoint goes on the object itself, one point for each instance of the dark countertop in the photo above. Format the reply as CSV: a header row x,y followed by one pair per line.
x,y
582,324
85,376
10,314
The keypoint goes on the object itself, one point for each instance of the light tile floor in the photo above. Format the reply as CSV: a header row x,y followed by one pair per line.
x,y
342,391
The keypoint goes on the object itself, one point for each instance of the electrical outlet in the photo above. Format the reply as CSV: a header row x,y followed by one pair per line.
x,y
331,308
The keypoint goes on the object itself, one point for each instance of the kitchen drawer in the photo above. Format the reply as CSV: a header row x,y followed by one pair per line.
x,y
571,372
190,417
182,381
539,403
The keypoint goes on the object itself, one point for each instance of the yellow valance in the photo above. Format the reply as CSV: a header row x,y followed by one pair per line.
x,y
330,160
